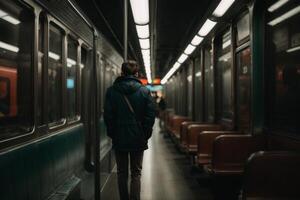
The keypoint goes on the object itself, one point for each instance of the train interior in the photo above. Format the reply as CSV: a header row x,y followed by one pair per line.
x,y
224,76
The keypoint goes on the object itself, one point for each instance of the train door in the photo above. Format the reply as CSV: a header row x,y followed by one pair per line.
x,y
243,72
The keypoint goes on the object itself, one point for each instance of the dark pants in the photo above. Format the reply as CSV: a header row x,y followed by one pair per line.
x,y
136,161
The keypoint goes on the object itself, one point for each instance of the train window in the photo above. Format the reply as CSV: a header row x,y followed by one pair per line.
x,y
209,85
190,90
224,74
39,112
243,62
55,75
198,89
243,29
283,63
72,110
16,91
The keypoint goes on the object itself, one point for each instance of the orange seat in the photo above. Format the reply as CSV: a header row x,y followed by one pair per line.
x,y
230,153
176,124
183,133
205,145
194,130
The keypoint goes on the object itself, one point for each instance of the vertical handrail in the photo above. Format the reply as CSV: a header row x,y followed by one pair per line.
x,y
125,29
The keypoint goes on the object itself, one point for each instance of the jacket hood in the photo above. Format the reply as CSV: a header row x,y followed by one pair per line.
x,y
127,84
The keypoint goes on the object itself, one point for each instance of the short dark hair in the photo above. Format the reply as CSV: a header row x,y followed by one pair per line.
x,y
130,67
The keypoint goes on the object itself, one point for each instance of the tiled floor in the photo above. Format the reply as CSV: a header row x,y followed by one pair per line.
x,y
166,174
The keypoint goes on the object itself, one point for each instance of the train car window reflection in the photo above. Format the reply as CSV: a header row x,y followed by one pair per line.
x,y
243,29
243,94
72,111
283,55
55,76
198,89
39,112
209,85
225,76
16,37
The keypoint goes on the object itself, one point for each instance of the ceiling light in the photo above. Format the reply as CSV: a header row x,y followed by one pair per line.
x,y
293,49
140,11
54,56
145,43
70,62
285,16
207,27
11,20
223,6
277,5
182,58
9,47
176,65
189,49
2,13
196,40
142,31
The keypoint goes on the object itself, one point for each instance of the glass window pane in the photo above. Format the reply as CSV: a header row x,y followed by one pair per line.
x,y
283,61
209,85
16,96
244,83
198,89
190,90
224,73
243,29
72,113
55,75
39,112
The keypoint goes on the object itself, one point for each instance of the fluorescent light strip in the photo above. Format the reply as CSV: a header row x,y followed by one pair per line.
x,y
145,43
285,16
11,20
293,49
2,13
277,5
53,55
70,62
196,40
182,58
9,47
170,73
223,6
207,27
142,31
140,11
189,49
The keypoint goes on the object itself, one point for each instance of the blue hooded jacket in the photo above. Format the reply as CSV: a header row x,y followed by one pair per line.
x,y
122,126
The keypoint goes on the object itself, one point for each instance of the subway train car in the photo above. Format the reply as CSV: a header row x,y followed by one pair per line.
x,y
239,121
230,76
47,99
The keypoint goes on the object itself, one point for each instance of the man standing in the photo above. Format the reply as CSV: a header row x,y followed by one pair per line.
x,y
129,115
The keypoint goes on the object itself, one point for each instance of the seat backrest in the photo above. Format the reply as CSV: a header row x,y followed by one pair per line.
x,y
183,130
206,140
177,120
195,129
230,152
272,175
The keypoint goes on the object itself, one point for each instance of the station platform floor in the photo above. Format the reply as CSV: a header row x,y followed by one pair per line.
x,y
166,174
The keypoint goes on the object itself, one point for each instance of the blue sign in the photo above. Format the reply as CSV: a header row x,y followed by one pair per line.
x,y
70,83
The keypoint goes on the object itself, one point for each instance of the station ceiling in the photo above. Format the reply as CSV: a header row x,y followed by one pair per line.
x,y
174,23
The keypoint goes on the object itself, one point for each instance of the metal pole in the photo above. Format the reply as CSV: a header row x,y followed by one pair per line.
x,y
94,121
125,29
